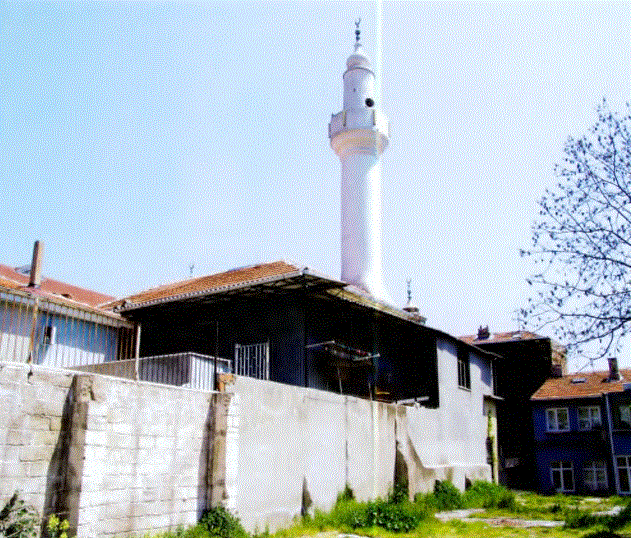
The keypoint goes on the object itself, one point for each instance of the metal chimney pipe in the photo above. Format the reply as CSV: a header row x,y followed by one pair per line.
x,y
35,275
614,373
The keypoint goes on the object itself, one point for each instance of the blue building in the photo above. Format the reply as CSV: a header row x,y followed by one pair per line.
x,y
582,431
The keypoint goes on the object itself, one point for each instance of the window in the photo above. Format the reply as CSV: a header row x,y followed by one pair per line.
x,y
625,416
464,369
562,475
588,417
595,475
624,473
556,419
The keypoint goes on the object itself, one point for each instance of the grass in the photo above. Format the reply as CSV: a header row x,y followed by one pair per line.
x,y
398,517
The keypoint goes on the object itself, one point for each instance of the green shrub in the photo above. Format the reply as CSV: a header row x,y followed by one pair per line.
x,y
402,517
345,495
619,520
425,503
18,519
483,494
222,524
447,496
57,527
577,519
349,514
399,493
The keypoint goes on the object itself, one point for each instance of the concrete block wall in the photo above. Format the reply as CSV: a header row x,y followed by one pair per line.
x,y
34,422
144,459
113,456
120,457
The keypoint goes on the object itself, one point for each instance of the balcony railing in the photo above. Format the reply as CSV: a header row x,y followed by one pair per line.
x,y
188,370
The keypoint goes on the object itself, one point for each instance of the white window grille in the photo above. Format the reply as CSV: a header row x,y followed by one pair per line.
x,y
562,475
557,419
252,360
595,475
624,473
588,417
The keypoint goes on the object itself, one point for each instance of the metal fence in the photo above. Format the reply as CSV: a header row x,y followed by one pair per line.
x,y
60,335
252,360
189,370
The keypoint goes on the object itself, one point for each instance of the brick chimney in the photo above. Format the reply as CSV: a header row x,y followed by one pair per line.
x,y
35,274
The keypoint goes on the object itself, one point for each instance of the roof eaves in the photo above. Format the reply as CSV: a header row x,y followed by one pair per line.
x,y
300,271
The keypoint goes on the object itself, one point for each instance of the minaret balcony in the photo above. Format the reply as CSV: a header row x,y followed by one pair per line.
x,y
359,118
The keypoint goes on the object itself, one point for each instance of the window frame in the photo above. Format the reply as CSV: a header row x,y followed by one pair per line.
x,y
627,475
592,482
561,467
624,424
464,368
589,419
556,428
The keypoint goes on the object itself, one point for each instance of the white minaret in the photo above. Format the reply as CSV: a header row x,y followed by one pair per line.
x,y
359,134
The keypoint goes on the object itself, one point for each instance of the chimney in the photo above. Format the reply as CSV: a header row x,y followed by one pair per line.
x,y
556,370
614,373
483,333
35,275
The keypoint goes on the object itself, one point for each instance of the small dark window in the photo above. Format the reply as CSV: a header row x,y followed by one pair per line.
x,y
370,102
464,369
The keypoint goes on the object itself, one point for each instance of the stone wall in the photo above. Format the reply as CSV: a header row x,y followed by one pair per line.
x,y
113,456
34,434
120,457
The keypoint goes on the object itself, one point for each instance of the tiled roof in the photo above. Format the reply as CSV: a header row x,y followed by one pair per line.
x,y
219,282
510,336
581,385
10,278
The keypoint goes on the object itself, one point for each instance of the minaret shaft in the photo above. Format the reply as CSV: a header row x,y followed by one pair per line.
x,y
359,135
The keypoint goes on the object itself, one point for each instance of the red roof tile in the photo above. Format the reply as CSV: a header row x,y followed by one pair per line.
x,y
11,278
493,338
581,385
252,275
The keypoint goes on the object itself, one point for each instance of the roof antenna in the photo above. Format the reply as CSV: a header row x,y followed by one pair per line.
x,y
357,30
191,267
409,283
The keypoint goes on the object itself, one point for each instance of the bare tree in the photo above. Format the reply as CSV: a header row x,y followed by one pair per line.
x,y
581,241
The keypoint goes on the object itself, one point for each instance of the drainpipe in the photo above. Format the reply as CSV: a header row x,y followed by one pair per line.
x,y
137,350
613,455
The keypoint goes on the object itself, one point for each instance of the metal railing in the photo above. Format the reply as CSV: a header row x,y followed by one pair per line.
x,y
189,370
60,335
252,360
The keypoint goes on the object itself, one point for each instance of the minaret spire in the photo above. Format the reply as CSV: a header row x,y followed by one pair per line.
x,y
359,134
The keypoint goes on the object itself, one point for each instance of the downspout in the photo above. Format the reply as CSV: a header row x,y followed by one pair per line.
x,y
137,350
613,455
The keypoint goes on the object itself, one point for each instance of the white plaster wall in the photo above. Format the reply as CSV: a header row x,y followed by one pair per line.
x,y
292,438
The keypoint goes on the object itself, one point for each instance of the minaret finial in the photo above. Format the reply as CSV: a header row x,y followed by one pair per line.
x,y
357,30
409,282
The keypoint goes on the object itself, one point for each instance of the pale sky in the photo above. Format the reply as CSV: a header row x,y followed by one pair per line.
x,y
138,138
